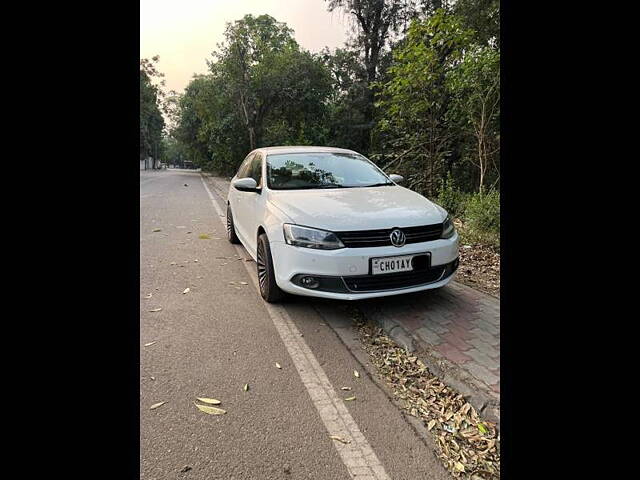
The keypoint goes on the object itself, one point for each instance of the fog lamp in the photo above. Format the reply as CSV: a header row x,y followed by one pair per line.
x,y
309,282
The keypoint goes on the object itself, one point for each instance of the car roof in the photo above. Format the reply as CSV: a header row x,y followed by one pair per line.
x,y
301,149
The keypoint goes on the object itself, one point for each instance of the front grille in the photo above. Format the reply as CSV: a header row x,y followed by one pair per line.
x,y
392,281
381,238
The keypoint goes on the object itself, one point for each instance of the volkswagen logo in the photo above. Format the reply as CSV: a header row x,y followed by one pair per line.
x,y
398,237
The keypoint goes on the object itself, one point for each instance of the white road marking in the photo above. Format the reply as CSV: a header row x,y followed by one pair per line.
x,y
358,456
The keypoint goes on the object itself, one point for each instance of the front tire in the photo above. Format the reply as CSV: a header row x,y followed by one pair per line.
x,y
266,276
231,229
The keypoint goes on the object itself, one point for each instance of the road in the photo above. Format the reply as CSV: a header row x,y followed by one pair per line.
x,y
219,336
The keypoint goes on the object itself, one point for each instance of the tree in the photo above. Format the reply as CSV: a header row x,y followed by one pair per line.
x,y
475,87
377,21
481,16
260,83
151,120
250,42
416,128
346,122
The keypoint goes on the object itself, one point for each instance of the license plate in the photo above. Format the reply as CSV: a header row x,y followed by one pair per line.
x,y
383,265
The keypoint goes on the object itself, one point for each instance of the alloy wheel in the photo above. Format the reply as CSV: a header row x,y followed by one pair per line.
x,y
229,224
262,267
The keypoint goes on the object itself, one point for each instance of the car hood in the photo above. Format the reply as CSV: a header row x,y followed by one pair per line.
x,y
367,208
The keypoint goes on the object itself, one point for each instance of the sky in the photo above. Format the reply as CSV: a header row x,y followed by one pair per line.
x,y
185,32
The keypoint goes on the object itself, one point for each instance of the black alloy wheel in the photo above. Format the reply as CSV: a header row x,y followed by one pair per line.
x,y
266,277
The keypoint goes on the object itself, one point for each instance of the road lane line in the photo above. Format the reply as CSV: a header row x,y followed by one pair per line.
x,y
358,456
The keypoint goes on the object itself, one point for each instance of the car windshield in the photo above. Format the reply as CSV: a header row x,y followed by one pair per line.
x,y
289,171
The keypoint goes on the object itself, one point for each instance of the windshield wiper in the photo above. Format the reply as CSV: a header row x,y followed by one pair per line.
x,y
382,184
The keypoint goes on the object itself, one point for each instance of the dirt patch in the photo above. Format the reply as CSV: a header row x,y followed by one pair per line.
x,y
480,268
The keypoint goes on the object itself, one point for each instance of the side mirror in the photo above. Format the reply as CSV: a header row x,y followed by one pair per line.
x,y
245,184
396,178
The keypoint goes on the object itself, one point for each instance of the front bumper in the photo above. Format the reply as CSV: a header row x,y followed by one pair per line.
x,y
344,267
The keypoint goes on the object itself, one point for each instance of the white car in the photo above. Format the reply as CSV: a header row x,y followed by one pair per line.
x,y
327,222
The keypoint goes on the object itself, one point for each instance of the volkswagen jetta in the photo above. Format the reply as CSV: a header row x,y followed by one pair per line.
x,y
327,222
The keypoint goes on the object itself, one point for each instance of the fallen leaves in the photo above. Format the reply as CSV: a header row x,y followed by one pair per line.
x,y
210,410
278,365
345,388
186,290
468,446
149,344
157,230
156,309
350,399
209,401
156,405
204,236
480,268
338,438
356,374
246,387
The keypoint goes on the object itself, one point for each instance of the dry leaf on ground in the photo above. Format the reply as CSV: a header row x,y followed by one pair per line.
x,y
156,309
210,401
149,344
356,374
246,387
156,405
349,399
204,236
278,365
186,290
340,439
210,410
457,428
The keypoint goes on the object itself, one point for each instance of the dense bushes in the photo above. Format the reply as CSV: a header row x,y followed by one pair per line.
x,y
478,213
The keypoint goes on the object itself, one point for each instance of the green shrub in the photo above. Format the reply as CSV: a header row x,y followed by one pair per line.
x,y
482,212
452,199
481,219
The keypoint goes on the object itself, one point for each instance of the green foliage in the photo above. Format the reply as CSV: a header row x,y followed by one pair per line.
x,y
474,87
481,219
151,121
482,211
262,90
451,198
416,135
483,17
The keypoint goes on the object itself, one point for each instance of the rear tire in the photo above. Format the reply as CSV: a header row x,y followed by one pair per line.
x,y
231,229
269,289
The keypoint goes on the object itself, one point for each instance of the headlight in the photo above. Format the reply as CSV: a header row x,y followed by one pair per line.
x,y
447,228
311,237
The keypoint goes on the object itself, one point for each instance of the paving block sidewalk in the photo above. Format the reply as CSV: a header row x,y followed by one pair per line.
x,y
456,329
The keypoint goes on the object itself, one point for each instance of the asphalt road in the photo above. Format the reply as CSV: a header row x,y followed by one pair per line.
x,y
219,336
